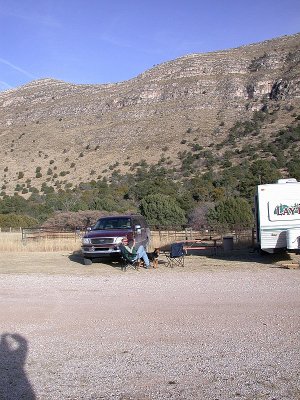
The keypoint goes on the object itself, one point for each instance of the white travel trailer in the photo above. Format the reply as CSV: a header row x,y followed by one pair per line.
x,y
277,212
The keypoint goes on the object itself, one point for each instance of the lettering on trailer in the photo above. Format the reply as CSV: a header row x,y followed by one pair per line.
x,y
284,209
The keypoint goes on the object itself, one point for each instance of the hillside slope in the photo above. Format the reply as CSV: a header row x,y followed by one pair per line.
x,y
52,131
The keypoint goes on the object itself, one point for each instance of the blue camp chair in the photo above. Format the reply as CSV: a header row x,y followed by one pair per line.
x,y
176,255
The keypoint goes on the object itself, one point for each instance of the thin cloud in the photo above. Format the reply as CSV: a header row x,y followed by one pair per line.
x,y
115,41
16,68
110,36
5,85
32,17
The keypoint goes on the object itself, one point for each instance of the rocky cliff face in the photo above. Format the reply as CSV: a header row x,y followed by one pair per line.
x,y
75,133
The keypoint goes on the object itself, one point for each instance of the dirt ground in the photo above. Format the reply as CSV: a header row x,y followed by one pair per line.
x,y
223,327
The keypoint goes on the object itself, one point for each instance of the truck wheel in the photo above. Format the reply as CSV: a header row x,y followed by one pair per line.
x,y
87,261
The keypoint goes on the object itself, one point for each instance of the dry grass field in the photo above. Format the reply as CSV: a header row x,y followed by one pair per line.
x,y
12,242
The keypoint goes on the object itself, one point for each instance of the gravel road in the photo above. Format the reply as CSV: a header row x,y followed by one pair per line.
x,y
219,328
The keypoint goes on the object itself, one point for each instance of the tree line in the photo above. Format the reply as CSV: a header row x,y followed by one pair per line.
x,y
212,198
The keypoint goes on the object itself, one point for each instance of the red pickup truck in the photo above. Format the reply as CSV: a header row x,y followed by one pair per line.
x,y
104,238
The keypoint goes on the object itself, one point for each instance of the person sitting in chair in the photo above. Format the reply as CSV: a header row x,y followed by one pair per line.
x,y
132,253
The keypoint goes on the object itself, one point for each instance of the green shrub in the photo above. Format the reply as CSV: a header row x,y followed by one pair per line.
x,y
17,221
234,213
162,210
64,173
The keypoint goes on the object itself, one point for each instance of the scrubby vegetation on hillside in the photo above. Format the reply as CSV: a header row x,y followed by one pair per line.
x,y
170,196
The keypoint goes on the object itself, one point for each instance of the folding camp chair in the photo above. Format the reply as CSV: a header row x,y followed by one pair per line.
x,y
126,262
176,255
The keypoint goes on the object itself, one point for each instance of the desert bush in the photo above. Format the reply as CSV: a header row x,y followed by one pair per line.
x,y
162,210
198,217
17,221
72,220
233,212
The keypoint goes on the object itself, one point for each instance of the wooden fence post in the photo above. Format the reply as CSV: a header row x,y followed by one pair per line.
x,y
253,238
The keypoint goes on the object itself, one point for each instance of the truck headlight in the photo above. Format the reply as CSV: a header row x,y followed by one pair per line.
x,y
86,240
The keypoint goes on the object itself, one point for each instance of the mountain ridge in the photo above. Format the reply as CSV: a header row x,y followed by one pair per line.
x,y
198,97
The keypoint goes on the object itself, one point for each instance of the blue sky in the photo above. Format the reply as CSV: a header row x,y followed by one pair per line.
x,y
97,41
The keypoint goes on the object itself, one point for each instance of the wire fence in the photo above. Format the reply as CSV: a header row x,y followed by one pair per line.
x,y
241,238
39,233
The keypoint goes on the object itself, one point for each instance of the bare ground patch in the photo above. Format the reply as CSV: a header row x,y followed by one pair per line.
x,y
219,328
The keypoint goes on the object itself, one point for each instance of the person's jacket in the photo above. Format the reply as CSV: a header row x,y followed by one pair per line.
x,y
129,252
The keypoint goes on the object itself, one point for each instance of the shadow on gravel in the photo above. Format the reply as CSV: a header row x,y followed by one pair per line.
x,y
14,383
77,257
279,260
249,255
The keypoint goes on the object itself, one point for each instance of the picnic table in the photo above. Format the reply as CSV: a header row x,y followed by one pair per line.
x,y
199,244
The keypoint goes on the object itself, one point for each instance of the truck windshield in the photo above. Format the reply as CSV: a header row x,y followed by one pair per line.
x,y
112,223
